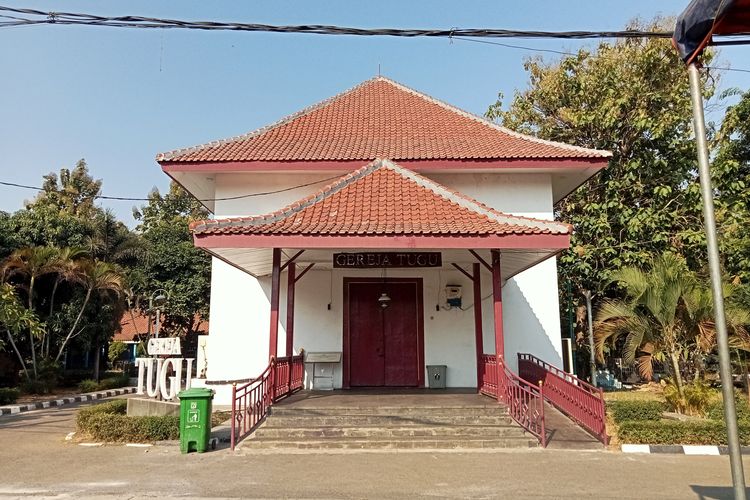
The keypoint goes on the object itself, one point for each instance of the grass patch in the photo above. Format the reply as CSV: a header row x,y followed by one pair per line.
x,y
108,422
639,410
676,432
648,394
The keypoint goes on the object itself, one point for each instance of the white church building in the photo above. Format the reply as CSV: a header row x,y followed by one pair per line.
x,y
385,228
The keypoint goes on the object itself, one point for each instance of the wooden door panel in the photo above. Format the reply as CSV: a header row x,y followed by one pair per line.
x,y
366,336
400,336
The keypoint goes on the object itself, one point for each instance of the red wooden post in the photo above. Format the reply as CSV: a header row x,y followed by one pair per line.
x,y
291,278
497,299
478,321
275,278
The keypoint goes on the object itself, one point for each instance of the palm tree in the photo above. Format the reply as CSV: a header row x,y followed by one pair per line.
x,y
14,317
32,263
65,264
94,276
666,311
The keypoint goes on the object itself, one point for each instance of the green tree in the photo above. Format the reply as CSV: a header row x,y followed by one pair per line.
x,y
629,97
731,176
95,277
666,315
172,262
15,319
73,192
31,263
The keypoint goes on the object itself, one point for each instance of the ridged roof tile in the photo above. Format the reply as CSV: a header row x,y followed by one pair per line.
x,y
383,198
380,119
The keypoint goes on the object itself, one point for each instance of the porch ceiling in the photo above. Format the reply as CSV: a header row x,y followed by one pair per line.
x,y
259,262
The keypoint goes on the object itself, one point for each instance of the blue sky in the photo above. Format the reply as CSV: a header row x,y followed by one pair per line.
x,y
117,97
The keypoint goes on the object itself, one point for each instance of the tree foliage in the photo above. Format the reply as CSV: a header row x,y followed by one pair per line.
x,y
629,97
172,262
731,175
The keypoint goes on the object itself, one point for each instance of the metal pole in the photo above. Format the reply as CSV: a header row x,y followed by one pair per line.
x,y
571,330
725,368
158,321
587,294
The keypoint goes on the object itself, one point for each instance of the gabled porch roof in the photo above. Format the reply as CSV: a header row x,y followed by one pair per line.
x,y
381,205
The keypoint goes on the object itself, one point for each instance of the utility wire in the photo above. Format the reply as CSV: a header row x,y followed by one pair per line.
x,y
562,52
35,17
127,198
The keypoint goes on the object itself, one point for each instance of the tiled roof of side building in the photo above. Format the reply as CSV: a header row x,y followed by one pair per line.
x,y
131,330
383,198
380,118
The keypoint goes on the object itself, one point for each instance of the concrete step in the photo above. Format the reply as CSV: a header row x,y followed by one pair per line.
x,y
370,432
291,420
490,410
391,443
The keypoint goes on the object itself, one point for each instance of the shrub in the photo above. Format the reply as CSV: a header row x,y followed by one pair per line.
x,y
35,387
114,407
635,410
698,396
120,380
88,385
715,410
677,432
70,378
91,385
108,422
116,350
8,395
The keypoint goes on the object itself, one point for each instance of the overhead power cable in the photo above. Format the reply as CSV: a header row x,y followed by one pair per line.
x,y
562,52
36,17
227,198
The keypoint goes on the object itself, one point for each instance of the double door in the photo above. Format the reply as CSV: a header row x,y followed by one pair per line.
x,y
384,337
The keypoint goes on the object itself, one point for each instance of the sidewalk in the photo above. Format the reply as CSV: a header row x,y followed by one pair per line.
x,y
39,405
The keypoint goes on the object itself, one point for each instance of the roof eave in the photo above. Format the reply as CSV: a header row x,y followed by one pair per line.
x,y
420,165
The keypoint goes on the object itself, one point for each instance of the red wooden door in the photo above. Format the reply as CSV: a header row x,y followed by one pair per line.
x,y
384,343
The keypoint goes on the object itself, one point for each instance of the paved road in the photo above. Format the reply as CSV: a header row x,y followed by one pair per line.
x,y
36,461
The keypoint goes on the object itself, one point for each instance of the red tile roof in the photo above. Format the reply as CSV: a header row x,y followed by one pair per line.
x,y
380,119
383,198
130,330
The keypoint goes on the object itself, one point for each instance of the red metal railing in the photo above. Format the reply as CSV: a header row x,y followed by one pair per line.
x,y
524,400
577,399
250,401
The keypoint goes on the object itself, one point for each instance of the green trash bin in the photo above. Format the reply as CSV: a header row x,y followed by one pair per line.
x,y
195,419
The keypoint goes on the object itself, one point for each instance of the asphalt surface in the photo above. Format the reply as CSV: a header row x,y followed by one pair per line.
x,y
36,461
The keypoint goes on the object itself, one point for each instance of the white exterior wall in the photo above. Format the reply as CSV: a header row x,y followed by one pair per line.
x,y
240,305
531,309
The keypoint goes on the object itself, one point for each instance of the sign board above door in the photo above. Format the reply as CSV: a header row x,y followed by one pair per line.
x,y
365,260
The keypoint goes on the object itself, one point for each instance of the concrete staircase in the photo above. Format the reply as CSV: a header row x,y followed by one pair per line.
x,y
396,427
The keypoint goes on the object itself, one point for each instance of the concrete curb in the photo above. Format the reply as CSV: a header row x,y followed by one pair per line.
x,y
91,396
212,443
681,449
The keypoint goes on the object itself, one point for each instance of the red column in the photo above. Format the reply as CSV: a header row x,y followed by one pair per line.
x,y
497,299
274,328
497,296
291,278
478,321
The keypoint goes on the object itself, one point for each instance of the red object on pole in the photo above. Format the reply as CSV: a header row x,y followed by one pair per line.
x,y
291,279
274,327
478,321
497,300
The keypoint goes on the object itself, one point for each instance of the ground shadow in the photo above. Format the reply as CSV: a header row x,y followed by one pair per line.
x,y
715,492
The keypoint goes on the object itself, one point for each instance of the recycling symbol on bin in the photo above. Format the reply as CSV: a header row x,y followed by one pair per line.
x,y
193,416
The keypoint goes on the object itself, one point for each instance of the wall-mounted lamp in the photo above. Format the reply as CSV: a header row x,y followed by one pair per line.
x,y
384,300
